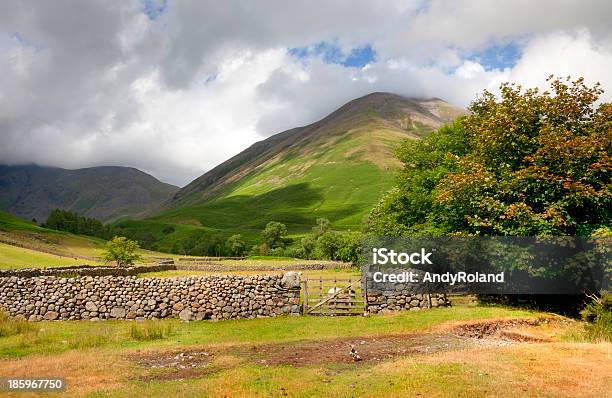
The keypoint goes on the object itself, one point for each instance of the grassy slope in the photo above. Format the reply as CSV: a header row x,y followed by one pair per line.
x,y
18,257
24,244
339,178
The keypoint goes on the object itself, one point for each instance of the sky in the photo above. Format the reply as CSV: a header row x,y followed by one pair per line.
x,y
176,87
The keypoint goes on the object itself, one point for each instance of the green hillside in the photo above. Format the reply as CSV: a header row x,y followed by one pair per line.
x,y
25,244
336,168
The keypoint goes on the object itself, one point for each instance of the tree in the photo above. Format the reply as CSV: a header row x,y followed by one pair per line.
x,y
527,163
64,220
263,249
235,245
122,251
308,244
273,234
350,249
328,245
323,225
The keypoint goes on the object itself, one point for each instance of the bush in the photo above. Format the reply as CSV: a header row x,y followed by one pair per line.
x,y
11,326
350,248
295,252
598,314
277,252
151,330
254,251
122,251
327,245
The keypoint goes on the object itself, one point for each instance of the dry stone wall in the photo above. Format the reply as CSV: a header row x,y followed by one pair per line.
x,y
127,297
219,267
398,296
86,270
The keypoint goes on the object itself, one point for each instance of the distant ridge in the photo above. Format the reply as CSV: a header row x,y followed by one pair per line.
x,y
106,193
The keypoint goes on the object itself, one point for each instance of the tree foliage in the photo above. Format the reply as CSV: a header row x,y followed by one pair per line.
x,y
308,244
236,245
122,251
526,163
323,225
64,220
273,234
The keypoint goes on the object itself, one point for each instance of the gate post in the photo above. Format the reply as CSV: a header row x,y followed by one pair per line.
x,y
305,303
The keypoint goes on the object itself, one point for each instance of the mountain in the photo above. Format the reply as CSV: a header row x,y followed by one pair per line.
x,y
106,193
337,167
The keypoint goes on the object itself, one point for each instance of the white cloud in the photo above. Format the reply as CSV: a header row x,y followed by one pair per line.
x,y
565,53
92,83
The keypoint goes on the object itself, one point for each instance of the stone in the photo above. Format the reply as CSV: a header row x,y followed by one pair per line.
x,y
91,307
290,280
117,312
51,315
186,315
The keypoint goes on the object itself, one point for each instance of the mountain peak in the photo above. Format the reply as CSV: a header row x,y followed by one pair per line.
x,y
382,96
368,127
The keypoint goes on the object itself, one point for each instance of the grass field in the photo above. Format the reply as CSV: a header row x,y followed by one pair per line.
x,y
467,350
408,354
18,257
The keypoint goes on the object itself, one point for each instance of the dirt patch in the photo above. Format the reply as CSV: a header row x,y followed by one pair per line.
x,y
364,350
375,349
353,350
513,330
175,365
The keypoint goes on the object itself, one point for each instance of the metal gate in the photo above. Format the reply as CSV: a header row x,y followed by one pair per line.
x,y
333,297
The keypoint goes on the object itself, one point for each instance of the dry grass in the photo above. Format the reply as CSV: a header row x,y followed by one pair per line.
x,y
85,371
12,326
541,369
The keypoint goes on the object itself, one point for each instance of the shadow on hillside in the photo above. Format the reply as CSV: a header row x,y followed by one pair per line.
x,y
295,205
